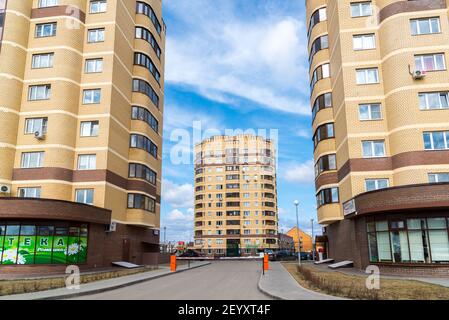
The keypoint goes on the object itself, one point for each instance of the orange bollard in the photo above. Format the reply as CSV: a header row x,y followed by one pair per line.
x,y
265,262
173,263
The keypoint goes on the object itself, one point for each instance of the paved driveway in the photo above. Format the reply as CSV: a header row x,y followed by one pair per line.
x,y
228,280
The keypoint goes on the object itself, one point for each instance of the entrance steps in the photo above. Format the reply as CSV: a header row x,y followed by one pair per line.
x,y
342,264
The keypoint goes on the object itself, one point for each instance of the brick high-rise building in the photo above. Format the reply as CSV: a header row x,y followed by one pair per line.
x,y
81,104
379,98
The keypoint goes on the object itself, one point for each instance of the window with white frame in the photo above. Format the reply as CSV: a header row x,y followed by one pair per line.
x,y
437,140
47,3
430,62
42,60
93,65
438,177
361,9
45,30
98,6
91,96
29,192
89,128
85,196
32,159
87,162
425,26
376,184
95,35
373,148
364,41
33,125
367,76
39,92
433,100
370,111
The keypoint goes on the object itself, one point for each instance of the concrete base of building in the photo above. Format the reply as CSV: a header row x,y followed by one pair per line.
x,y
135,244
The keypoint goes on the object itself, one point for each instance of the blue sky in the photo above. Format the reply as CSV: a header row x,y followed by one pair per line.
x,y
234,64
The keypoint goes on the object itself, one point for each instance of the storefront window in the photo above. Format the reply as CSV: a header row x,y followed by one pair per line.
x,y
42,244
409,241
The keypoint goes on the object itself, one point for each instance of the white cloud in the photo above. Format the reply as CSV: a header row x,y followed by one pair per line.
x,y
177,195
223,55
299,172
303,133
178,215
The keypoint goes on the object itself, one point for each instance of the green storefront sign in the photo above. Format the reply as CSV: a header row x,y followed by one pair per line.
x,y
29,244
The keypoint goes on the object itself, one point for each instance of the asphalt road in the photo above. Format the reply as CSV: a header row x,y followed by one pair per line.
x,y
227,280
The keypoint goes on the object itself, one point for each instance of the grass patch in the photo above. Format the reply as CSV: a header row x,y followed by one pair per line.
x,y
17,286
353,287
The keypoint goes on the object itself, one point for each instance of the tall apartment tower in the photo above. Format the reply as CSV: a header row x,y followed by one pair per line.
x,y
379,98
81,104
235,195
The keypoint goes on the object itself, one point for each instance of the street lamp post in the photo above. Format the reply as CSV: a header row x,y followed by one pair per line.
x,y
297,230
313,243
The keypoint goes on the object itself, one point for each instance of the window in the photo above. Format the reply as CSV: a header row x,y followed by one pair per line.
x,y
318,44
325,163
367,76
373,149
39,92
34,192
93,65
87,162
425,26
144,87
144,8
42,60
32,159
45,30
140,113
361,9
140,201
364,42
327,196
433,100
438,177
437,140
36,124
317,17
142,142
375,184
91,96
98,6
325,131
321,72
323,101
370,112
145,34
415,240
143,60
430,62
89,128
140,171
85,196
95,35
47,3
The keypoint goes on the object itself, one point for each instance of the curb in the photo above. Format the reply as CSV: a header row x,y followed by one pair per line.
x,y
266,292
114,287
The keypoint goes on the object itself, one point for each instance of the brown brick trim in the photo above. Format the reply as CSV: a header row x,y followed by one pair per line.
x,y
412,158
326,178
411,197
233,236
14,208
410,6
69,11
85,176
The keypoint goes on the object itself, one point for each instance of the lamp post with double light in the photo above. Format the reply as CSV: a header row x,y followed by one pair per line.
x,y
296,202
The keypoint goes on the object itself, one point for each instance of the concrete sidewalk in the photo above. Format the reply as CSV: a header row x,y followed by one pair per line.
x,y
278,283
103,285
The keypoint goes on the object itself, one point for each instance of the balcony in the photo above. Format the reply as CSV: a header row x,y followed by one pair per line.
x,y
233,232
268,186
269,213
233,213
233,204
233,195
268,195
198,224
268,204
233,222
199,206
199,215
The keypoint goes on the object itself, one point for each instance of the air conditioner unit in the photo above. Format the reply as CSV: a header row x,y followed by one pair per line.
x,y
418,74
39,135
112,227
5,189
